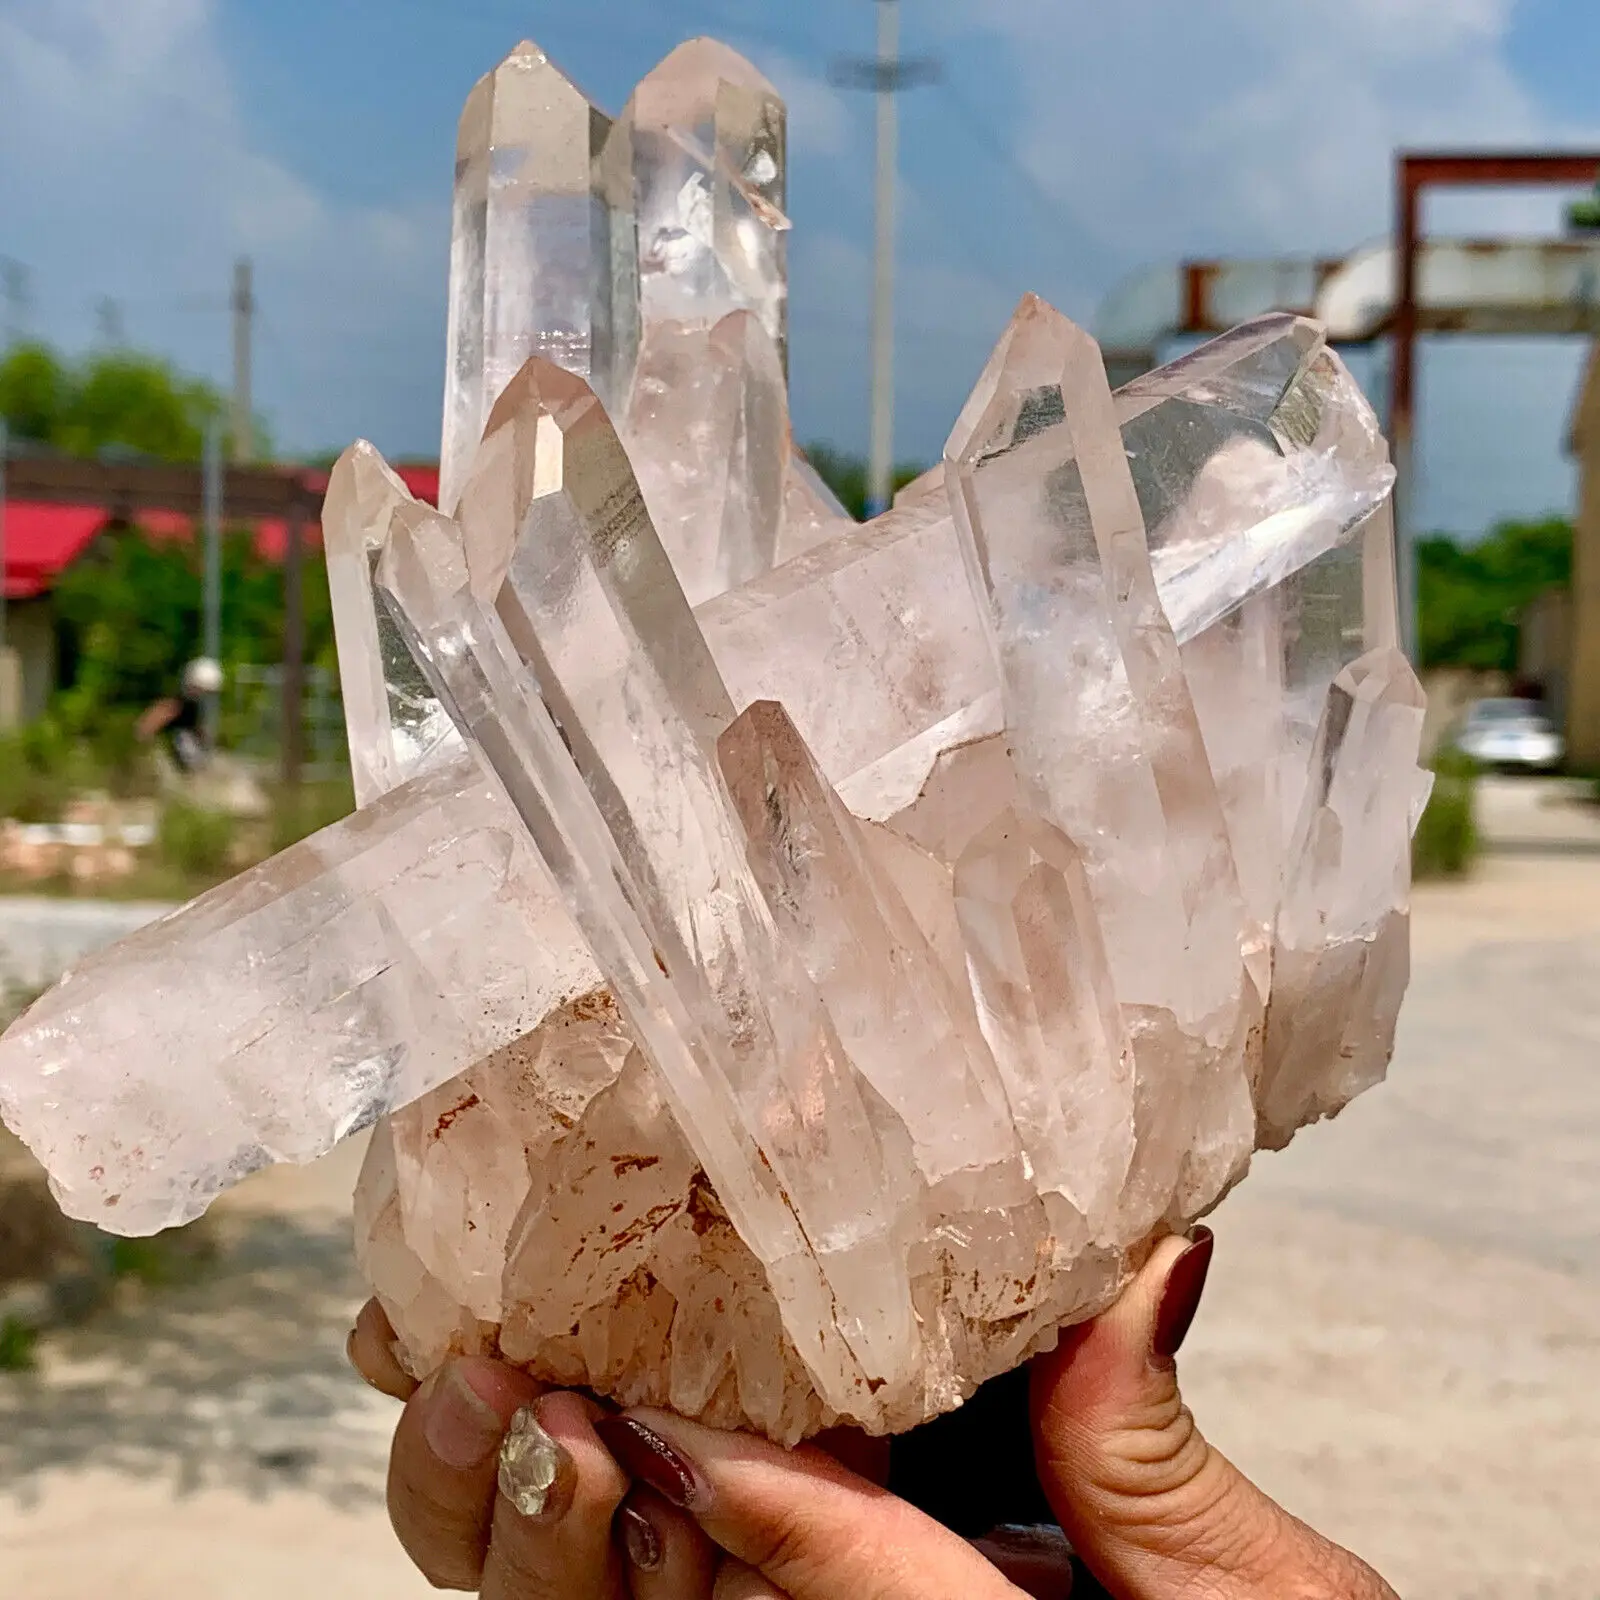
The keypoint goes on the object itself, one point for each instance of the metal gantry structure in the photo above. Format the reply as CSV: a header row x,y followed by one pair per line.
x,y
1398,290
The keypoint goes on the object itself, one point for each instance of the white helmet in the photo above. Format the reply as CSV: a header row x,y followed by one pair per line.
x,y
203,676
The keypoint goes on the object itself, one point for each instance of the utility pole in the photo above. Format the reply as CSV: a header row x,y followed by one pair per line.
x,y
14,289
244,311
886,75
211,496
292,753
880,468
108,317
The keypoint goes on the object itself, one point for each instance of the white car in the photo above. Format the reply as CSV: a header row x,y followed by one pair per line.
x,y
1512,735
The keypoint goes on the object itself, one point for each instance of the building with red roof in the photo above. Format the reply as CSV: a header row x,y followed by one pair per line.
x,y
43,539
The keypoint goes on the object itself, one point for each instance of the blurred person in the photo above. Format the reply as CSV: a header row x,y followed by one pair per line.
x,y
502,1485
180,721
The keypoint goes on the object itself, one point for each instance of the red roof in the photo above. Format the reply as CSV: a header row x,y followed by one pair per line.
x,y
42,541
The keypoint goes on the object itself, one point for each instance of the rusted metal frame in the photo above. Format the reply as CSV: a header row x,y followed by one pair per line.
x,y
1417,171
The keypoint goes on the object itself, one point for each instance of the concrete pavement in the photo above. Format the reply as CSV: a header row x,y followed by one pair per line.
x,y
1401,1339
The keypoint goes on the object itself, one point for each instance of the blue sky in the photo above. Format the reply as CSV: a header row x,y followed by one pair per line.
x,y
145,143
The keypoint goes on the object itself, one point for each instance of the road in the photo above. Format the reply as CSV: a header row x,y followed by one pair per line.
x,y
1401,1338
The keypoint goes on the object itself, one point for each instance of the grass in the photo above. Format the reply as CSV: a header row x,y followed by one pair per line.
x,y
15,998
299,813
1446,845
195,841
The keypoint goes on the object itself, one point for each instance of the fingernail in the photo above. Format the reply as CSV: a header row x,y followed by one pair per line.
x,y
1180,1300
462,1429
530,1465
640,1539
648,1457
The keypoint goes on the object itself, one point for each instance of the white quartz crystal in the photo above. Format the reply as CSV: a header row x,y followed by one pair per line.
x,y
790,968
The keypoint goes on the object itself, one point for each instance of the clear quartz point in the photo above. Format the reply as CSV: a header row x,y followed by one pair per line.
x,y
1341,951
529,226
343,979
709,425
396,726
697,168
625,801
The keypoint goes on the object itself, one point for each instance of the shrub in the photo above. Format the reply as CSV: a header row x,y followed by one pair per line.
x,y
36,774
17,1343
1446,844
195,840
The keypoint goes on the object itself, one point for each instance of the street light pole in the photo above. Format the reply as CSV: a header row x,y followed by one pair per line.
x,y
880,474
886,75
211,501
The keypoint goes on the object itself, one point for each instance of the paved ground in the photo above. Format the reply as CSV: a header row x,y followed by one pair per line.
x,y
1402,1338
41,937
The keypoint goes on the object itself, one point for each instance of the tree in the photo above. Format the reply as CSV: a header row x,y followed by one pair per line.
x,y
34,392
113,400
846,475
1471,597
130,611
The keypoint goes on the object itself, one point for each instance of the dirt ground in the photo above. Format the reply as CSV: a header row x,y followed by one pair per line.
x,y
1401,1339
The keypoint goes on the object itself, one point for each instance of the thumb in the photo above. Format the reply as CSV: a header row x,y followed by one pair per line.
x,y
1150,1507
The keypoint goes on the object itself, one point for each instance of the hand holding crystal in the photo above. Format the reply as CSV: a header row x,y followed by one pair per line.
x,y
560,1498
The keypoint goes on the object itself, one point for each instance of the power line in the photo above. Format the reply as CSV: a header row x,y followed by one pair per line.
x,y
1049,209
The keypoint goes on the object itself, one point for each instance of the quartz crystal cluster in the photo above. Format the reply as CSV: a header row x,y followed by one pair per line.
x,y
792,967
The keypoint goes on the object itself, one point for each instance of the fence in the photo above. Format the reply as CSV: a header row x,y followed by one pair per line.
x,y
252,719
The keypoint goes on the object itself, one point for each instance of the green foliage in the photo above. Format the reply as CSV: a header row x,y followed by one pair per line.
x,y
1472,596
196,841
39,772
18,1344
846,475
35,391
113,400
130,611
299,813
15,998
164,1261
1446,844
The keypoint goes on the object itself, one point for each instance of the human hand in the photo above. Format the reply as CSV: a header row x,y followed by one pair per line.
x,y
1154,1511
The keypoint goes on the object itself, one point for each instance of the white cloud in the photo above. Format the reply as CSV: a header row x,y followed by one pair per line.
x,y
129,173
1236,127
1242,127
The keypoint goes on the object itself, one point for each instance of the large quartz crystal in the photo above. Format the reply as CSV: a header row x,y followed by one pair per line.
x,y
790,968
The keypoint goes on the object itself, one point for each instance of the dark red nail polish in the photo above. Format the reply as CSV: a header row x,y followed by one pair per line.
x,y
648,1457
639,1539
1180,1300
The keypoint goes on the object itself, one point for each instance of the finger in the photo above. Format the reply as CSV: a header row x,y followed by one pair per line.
x,y
1037,1560
371,1351
1152,1509
667,1556
559,1490
736,1581
812,1528
444,1464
